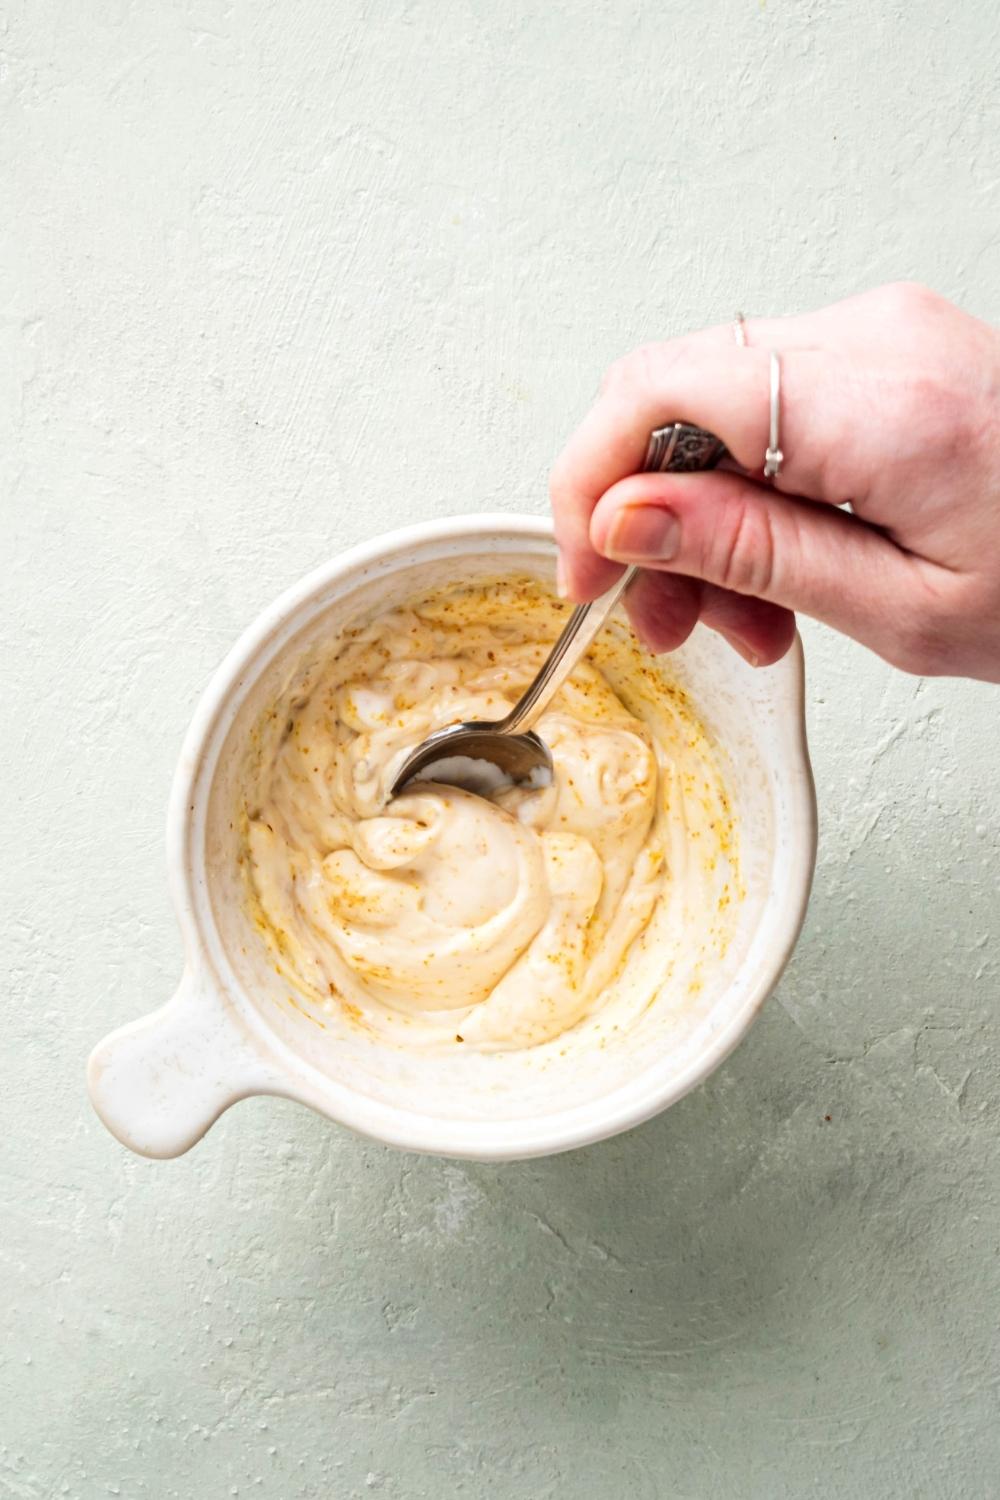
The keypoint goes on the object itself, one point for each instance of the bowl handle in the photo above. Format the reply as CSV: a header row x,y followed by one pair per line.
x,y
160,1082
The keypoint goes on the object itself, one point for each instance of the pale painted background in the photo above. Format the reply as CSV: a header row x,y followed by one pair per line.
x,y
279,276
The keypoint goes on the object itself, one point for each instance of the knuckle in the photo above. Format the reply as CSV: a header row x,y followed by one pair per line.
x,y
909,299
559,480
616,376
566,497
742,549
643,368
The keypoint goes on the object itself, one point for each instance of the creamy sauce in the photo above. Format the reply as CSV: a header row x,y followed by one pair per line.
x,y
443,919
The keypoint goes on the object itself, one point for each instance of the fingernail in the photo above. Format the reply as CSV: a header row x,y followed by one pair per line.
x,y
742,650
561,586
643,533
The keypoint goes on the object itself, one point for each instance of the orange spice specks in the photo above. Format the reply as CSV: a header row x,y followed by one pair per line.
x,y
501,629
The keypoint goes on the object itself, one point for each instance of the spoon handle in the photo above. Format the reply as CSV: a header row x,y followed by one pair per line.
x,y
678,447
580,629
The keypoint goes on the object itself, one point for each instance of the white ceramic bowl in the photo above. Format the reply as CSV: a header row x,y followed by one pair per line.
x,y
232,1030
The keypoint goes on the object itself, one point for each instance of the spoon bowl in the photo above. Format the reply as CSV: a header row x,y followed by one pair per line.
x,y
478,757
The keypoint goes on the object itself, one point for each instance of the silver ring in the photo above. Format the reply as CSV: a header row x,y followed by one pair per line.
x,y
740,330
774,458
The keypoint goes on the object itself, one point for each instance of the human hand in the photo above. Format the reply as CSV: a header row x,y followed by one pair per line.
x,y
889,401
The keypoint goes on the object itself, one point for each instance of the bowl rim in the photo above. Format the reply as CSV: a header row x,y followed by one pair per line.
x,y
621,1108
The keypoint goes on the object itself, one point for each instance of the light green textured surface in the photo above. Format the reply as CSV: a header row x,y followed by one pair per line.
x,y
276,277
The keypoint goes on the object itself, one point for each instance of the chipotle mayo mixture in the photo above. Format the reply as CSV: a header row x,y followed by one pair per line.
x,y
442,919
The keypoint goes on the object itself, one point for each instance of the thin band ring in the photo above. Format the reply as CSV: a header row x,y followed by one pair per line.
x,y
774,458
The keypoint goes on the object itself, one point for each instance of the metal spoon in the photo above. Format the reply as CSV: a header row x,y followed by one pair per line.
x,y
482,756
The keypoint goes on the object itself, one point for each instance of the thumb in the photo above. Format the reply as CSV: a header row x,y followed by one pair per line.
x,y
731,531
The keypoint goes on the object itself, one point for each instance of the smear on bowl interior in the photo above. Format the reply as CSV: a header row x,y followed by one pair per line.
x,y
442,920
